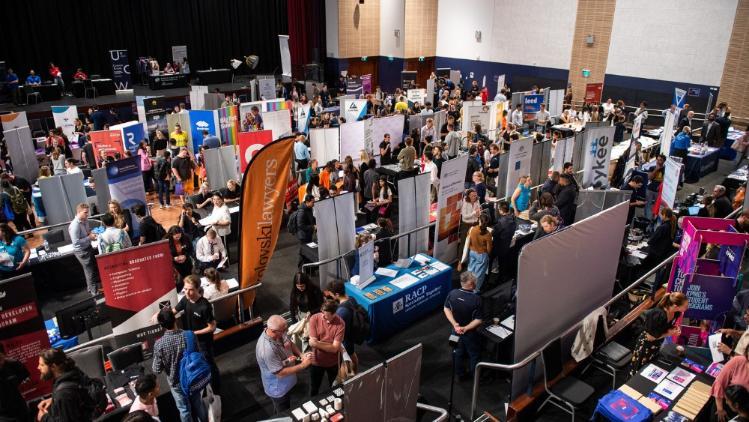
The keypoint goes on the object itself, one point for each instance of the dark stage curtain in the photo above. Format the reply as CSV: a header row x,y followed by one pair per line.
x,y
306,34
80,33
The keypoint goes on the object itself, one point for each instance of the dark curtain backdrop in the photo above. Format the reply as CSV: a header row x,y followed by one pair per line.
x,y
306,34
80,33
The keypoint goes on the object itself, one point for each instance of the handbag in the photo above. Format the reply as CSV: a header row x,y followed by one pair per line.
x,y
345,369
178,189
212,404
383,210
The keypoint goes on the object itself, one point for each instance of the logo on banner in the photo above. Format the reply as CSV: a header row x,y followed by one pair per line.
x,y
679,97
397,305
202,125
599,150
353,108
120,69
251,150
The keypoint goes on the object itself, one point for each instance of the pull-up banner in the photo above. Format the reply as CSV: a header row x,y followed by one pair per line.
x,y
302,118
200,120
519,163
64,117
22,332
250,143
228,121
262,203
126,182
598,143
449,203
120,69
109,141
14,120
136,282
155,114
355,110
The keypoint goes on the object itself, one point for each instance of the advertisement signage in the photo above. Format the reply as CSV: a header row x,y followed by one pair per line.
x,y
598,143
109,141
449,203
120,69
250,143
532,105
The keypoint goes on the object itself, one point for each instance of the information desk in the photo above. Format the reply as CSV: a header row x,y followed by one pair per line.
x,y
394,303
699,165
103,87
48,92
667,362
213,76
176,80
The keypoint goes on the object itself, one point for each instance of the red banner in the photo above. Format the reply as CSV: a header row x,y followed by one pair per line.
x,y
22,331
109,141
135,281
593,93
250,143
263,195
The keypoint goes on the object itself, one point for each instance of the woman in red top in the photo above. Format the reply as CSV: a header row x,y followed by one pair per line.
x,y
80,75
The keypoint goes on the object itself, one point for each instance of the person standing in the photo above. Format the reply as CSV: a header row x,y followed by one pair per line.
x,y
428,133
167,354
336,290
305,221
517,116
542,118
406,157
56,75
12,373
711,132
301,153
565,199
183,168
11,83
179,136
463,311
150,230
660,322
280,360
68,388
477,249
504,231
326,331
163,174
453,142
81,237
112,239
386,150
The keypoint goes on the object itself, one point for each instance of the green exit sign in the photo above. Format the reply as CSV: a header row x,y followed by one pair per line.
x,y
364,58
421,58
586,73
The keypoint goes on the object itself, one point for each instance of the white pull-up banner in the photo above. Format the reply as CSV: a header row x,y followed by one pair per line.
x,y
283,41
598,143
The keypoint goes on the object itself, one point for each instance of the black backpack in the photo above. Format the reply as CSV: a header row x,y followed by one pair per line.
x,y
360,327
293,224
162,169
93,395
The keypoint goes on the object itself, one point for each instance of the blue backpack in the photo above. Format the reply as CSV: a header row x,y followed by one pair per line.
x,y
194,371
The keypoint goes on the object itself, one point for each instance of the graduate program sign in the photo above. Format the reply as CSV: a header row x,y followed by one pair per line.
x,y
135,282
109,141
22,332
449,202
264,187
598,143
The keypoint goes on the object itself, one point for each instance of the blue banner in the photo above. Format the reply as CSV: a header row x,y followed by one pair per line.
x,y
680,97
532,104
120,69
126,185
200,120
132,135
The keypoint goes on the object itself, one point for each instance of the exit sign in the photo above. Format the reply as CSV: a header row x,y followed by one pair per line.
x,y
586,73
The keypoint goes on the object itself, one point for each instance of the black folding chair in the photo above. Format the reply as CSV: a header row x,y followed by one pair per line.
x,y
568,393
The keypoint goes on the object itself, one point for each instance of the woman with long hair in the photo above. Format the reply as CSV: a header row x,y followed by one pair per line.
x,y
305,298
544,206
660,322
382,197
122,217
477,250
469,214
521,197
182,254
217,287
146,165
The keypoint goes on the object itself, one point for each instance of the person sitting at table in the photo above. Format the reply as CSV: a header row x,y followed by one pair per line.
x,y
189,222
154,65
220,217
734,373
313,186
231,192
544,205
53,140
216,287
737,399
80,75
660,322
477,249
33,79
521,197
147,390
56,75
182,253
739,337
209,250
184,68
14,252
721,202
312,169
71,166
326,174
204,197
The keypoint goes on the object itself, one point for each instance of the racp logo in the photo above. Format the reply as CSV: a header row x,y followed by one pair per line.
x,y
599,150
397,306
202,125
416,294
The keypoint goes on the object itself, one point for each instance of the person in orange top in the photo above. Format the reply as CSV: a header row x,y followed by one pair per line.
x,y
325,175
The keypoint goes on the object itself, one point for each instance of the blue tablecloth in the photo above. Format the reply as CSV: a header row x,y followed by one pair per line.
x,y
698,166
53,331
396,310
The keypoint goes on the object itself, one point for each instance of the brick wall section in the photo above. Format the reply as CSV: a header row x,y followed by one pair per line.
x,y
358,28
594,17
421,28
734,84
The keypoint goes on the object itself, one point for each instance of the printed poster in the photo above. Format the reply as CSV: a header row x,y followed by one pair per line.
x,y
64,117
250,143
354,110
532,105
126,182
137,282
449,203
22,331
303,117
228,121
109,141
200,120
519,163
597,154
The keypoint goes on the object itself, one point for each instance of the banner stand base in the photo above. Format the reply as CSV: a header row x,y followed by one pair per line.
x,y
124,92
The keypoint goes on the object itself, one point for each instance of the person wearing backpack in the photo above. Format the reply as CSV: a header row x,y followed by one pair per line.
x,y
347,309
163,174
75,397
303,225
112,239
18,204
168,352
150,230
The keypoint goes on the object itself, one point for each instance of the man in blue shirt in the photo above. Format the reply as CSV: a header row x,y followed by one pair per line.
x,y
301,153
210,141
11,82
463,310
33,79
